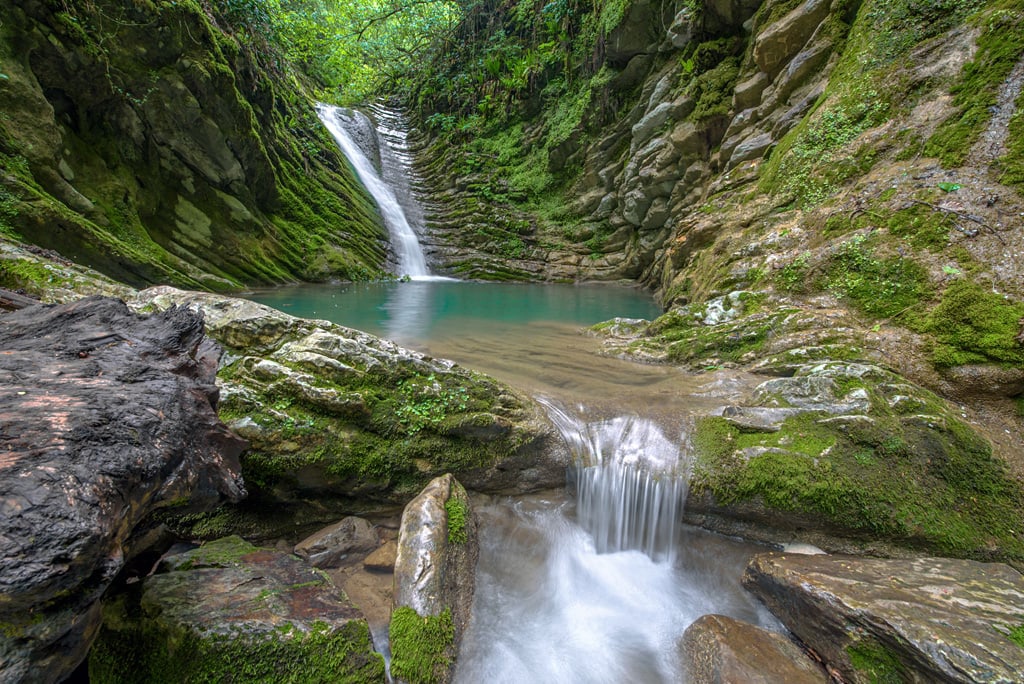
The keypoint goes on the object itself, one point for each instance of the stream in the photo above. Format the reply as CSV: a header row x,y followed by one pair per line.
x,y
597,582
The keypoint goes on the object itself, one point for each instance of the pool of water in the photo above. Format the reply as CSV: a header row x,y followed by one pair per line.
x,y
552,605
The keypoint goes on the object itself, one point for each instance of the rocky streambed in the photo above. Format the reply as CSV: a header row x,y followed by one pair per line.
x,y
340,422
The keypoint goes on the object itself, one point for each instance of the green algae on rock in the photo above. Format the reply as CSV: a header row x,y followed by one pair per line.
x,y
852,451
229,611
335,415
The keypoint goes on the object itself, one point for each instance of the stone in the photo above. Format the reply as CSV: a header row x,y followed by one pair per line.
x,y
753,147
332,413
718,648
383,559
105,417
652,122
229,607
806,63
776,44
682,29
747,94
329,547
917,620
435,568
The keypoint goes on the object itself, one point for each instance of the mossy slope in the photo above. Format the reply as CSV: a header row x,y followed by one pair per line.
x,y
156,142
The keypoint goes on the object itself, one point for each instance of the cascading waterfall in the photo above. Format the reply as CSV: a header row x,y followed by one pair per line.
x,y
630,482
406,244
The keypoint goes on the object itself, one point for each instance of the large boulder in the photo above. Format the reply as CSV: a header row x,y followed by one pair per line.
x,y
849,455
229,611
105,417
435,572
718,648
329,547
920,620
334,414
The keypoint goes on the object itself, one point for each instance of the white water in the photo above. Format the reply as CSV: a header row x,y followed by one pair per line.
x,y
408,252
631,482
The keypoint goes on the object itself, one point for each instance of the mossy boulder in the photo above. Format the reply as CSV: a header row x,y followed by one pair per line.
x,y
434,582
335,416
850,455
229,611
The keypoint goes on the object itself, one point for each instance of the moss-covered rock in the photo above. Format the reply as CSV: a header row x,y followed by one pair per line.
x,y
146,141
336,415
434,582
852,451
229,611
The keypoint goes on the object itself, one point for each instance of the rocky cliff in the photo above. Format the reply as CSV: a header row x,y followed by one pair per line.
x,y
166,142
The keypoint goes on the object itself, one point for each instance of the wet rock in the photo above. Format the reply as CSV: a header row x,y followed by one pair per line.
x,y
918,620
753,147
779,42
849,456
105,417
747,93
383,559
717,648
335,414
684,26
330,546
229,607
434,577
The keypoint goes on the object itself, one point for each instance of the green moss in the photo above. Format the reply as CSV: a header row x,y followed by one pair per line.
x,y
974,325
1016,635
30,275
880,287
457,512
421,647
145,653
927,483
921,226
877,664
1000,47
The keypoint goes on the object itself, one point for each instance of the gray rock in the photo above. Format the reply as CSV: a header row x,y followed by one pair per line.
x,y
717,649
106,417
683,28
652,122
776,44
332,545
747,93
753,147
918,620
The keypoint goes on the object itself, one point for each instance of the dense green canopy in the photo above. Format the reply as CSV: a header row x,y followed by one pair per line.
x,y
351,47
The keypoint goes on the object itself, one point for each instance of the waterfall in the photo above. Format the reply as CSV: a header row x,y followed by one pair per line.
x,y
404,241
631,482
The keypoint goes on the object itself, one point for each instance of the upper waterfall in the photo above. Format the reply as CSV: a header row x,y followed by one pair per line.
x,y
406,245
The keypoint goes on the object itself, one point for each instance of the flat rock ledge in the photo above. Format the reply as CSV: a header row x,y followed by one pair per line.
x,y
911,620
105,416
434,582
718,648
229,611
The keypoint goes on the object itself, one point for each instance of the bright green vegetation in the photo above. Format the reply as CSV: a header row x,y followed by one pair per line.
x,y
143,651
880,287
1016,635
421,646
972,324
457,511
914,474
876,663
1000,47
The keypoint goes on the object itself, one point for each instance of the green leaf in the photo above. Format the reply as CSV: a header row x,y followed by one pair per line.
x,y
949,187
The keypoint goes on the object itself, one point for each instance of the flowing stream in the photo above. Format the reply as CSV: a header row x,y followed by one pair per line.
x,y
595,583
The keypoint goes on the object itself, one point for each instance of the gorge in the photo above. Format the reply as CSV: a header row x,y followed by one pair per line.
x,y
739,268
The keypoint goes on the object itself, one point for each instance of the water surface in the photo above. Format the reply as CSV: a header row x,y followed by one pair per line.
x,y
589,589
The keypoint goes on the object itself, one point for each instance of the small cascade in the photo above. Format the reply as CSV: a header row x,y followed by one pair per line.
x,y
631,482
408,252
